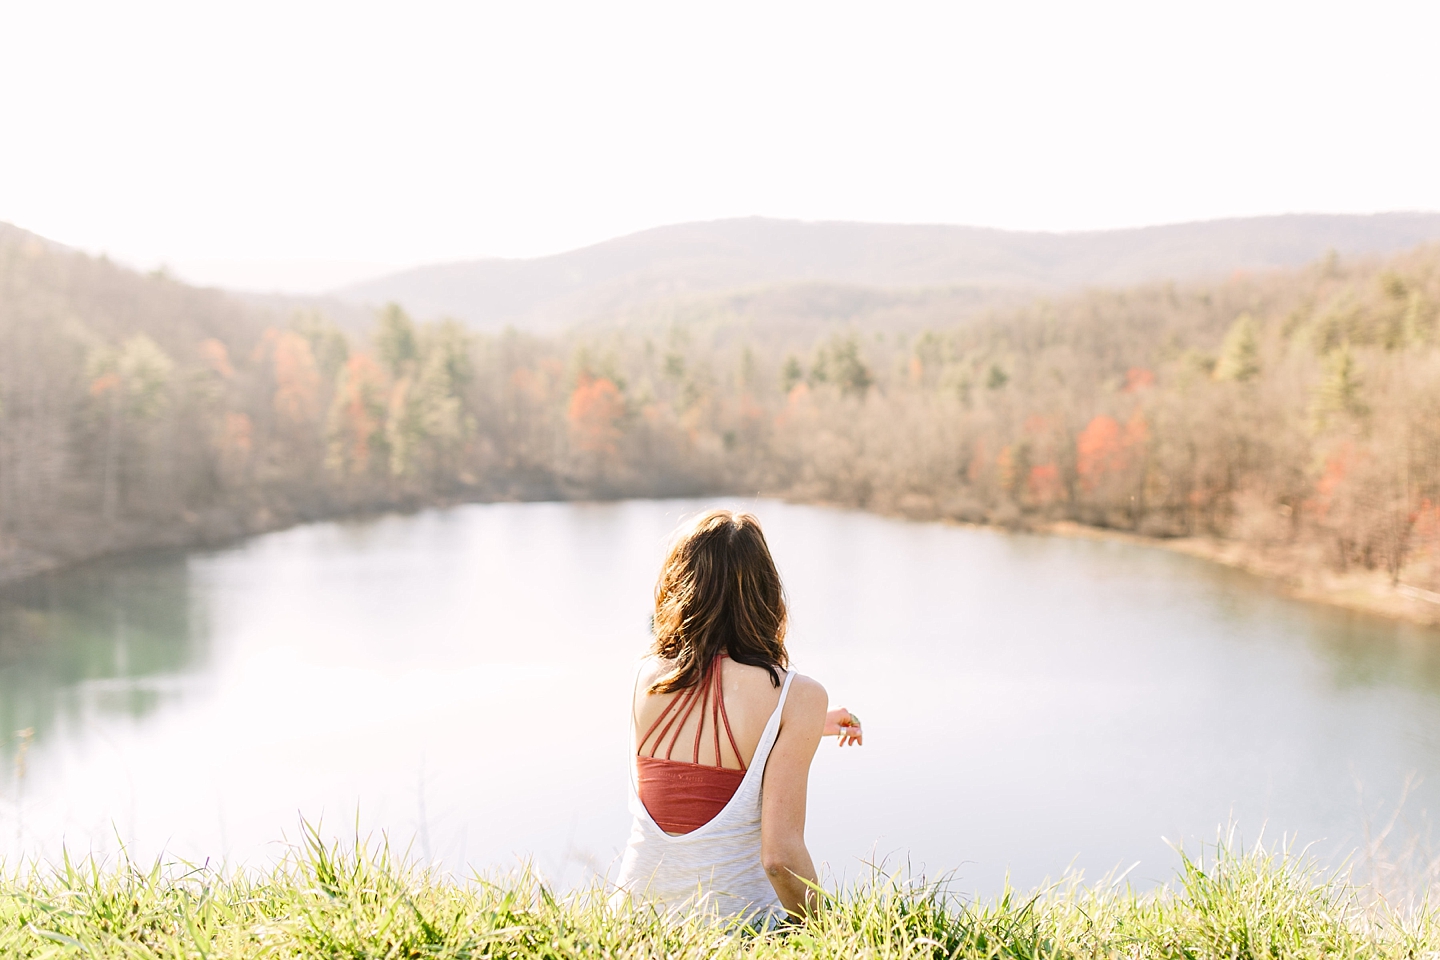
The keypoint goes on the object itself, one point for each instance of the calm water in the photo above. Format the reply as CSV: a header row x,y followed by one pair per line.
x,y
458,679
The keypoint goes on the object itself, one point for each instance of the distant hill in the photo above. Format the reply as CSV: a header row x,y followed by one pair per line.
x,y
1286,417
81,300
617,276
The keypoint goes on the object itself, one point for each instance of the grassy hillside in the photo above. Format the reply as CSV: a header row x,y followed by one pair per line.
x,y
549,293
325,902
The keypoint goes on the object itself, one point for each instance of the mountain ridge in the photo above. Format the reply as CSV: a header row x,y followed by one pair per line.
x,y
545,294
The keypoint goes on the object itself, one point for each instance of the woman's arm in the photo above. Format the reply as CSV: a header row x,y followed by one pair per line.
x,y
782,811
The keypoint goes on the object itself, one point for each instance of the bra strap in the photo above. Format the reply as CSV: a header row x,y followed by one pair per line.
x,y
683,717
720,703
663,714
678,711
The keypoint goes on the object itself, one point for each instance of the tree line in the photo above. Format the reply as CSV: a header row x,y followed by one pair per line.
x,y
1295,410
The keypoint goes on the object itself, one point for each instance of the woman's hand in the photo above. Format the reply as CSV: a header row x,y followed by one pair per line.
x,y
845,725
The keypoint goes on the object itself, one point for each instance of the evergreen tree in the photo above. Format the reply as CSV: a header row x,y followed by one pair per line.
x,y
1240,351
792,374
1340,389
396,341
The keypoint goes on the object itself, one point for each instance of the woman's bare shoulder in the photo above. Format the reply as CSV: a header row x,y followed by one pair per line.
x,y
651,668
807,697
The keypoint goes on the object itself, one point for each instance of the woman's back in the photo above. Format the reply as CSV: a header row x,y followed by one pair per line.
x,y
749,696
680,790
716,864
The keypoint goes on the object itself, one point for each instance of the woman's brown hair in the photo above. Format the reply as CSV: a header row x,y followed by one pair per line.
x,y
719,592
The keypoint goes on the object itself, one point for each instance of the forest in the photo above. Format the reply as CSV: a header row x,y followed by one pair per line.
x,y
1293,413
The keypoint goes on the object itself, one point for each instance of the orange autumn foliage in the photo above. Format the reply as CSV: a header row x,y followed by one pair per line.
x,y
975,469
596,408
1043,484
1332,478
217,357
297,379
104,384
1426,522
797,406
1103,447
1098,450
361,405
236,440
237,435
1137,379
1005,470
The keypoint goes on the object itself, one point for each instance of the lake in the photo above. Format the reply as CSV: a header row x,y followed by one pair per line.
x,y
458,680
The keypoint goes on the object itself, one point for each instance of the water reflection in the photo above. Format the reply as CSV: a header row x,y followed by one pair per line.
x,y
460,676
1367,652
106,638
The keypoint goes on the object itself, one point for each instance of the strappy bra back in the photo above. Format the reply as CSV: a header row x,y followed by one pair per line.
x,y
705,858
683,796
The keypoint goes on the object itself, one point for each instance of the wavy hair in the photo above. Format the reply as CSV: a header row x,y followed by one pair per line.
x,y
719,592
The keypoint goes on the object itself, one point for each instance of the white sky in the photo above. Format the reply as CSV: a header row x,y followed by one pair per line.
x,y
295,146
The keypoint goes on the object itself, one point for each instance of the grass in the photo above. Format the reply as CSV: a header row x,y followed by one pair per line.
x,y
332,901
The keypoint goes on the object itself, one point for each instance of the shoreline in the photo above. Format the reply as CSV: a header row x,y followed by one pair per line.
x,y
1287,569
1297,571
219,529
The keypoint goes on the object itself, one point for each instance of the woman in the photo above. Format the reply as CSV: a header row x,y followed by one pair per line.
x,y
724,733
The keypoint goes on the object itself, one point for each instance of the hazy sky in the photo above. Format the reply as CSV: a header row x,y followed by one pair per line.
x,y
295,145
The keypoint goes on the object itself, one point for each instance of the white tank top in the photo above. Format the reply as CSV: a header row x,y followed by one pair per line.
x,y
715,867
